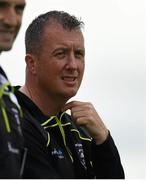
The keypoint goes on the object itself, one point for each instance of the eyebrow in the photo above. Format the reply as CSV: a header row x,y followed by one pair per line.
x,y
7,4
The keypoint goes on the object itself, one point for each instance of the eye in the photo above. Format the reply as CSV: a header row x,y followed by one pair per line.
x,y
79,54
60,54
19,9
3,4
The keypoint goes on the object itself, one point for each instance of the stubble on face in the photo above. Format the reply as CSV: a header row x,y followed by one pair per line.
x,y
60,78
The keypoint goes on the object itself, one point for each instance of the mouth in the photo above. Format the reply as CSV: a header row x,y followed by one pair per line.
x,y
7,34
69,78
70,81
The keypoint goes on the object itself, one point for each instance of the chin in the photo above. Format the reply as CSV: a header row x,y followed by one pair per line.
x,y
8,48
70,94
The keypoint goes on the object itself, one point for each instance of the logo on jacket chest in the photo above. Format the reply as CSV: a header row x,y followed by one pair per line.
x,y
80,152
57,152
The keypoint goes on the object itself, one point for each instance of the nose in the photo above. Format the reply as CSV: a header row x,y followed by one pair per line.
x,y
71,63
10,17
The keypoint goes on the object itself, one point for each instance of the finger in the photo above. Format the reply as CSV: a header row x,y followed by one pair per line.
x,y
77,114
81,121
71,104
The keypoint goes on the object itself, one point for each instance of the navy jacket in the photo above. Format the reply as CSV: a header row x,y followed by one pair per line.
x,y
57,148
11,139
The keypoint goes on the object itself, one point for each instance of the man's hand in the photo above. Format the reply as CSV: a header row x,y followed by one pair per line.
x,y
84,114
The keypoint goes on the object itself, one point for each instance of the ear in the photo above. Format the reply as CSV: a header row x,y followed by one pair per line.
x,y
30,63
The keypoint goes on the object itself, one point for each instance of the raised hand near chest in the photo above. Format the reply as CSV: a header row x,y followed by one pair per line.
x,y
84,114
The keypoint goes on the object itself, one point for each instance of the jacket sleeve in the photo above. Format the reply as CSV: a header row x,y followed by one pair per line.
x,y
106,160
10,153
11,138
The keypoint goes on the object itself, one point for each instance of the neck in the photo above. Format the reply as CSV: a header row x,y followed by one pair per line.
x,y
48,105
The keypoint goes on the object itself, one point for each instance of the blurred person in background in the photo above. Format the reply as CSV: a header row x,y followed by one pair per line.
x,y
11,139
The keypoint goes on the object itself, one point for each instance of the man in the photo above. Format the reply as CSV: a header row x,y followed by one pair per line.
x,y
60,145
11,141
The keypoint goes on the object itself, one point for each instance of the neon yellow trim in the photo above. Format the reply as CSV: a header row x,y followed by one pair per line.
x,y
48,139
6,120
53,125
52,117
86,139
61,130
61,116
66,124
2,92
58,123
2,88
63,134
21,112
12,89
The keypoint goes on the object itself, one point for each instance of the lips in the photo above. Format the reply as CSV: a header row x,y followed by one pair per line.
x,y
68,78
7,31
7,35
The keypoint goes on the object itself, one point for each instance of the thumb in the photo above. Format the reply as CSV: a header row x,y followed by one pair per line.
x,y
68,106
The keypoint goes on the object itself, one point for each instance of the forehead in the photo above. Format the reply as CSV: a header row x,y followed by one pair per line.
x,y
12,2
57,34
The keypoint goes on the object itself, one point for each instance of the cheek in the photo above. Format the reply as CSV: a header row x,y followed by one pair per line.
x,y
17,29
82,68
49,72
19,20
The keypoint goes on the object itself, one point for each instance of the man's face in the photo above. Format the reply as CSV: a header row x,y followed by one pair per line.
x,y
11,12
60,64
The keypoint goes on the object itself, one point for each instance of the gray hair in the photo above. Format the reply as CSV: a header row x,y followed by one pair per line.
x,y
34,31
